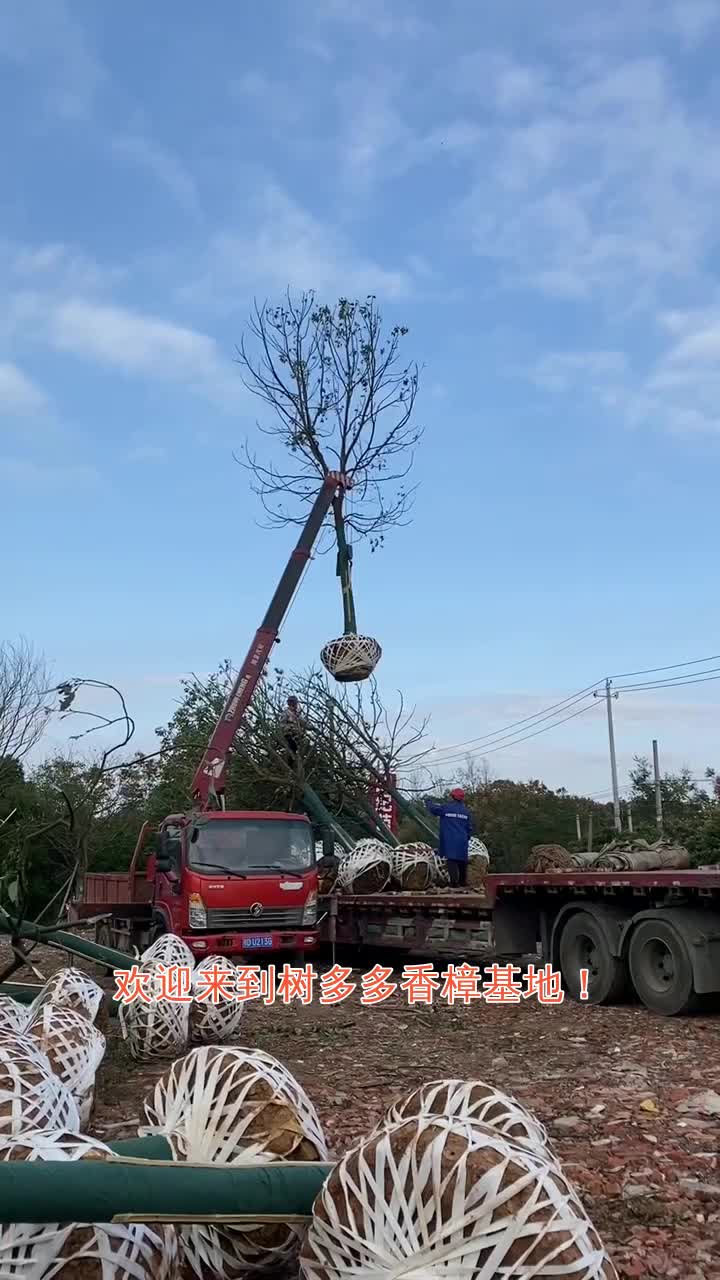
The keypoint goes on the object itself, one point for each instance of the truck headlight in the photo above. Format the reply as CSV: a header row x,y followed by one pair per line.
x,y
309,915
197,912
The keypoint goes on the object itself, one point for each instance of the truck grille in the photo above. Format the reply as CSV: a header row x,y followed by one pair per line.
x,y
271,918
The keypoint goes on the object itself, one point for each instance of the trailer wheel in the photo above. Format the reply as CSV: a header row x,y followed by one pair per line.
x,y
583,945
661,969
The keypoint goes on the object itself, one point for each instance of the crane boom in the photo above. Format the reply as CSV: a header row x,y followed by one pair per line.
x,y
209,780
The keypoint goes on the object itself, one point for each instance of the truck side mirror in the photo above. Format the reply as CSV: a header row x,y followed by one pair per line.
x,y
163,863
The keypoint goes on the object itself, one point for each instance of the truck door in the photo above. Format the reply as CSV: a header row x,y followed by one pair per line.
x,y
168,877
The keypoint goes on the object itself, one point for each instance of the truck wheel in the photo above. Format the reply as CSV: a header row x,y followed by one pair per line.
x,y
583,945
661,969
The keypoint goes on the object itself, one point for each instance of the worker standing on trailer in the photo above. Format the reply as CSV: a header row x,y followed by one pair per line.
x,y
456,828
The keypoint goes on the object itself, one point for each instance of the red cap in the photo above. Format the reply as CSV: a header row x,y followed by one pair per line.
x,y
457,793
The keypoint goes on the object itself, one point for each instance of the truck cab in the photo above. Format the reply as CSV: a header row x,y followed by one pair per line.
x,y
237,882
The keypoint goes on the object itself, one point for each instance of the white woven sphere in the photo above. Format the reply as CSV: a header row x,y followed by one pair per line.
x,y
414,866
13,1015
116,1251
222,1105
351,658
74,1048
31,1096
442,875
366,869
74,990
229,1106
213,1023
476,849
170,950
338,850
448,1199
472,1100
158,1027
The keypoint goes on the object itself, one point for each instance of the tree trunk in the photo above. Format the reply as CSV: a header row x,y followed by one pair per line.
x,y
344,568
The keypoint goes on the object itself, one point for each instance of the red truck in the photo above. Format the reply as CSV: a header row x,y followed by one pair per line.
x,y
652,936
229,882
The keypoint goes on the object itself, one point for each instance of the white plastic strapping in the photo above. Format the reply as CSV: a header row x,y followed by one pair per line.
x,y
170,950
221,1105
476,849
351,657
442,1199
74,990
213,1023
414,866
442,875
471,1100
366,869
116,1251
31,1096
74,1048
228,1106
156,1027
13,1015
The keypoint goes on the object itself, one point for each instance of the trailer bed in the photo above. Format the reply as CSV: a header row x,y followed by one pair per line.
x,y
428,924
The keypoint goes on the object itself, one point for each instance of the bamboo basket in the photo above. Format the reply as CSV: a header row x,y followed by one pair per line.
x,y
474,1101
31,1096
442,1198
213,1022
116,1251
413,867
74,1048
230,1106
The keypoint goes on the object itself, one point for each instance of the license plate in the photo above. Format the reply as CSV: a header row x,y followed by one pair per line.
x,y
258,940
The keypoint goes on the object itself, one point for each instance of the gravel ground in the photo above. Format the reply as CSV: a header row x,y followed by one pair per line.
x,y
632,1102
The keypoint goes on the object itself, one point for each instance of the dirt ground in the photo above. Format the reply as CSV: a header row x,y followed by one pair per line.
x,y
631,1101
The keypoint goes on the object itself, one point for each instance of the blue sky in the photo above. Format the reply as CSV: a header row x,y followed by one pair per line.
x,y
533,190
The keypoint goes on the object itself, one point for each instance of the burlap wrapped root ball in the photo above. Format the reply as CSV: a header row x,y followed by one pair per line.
x,y
74,1047
115,1251
413,867
13,1016
31,1095
213,1021
446,1198
153,1025
474,1101
230,1106
367,868
70,989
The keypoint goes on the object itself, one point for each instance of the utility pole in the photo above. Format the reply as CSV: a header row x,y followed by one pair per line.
x,y
590,827
609,695
629,817
578,828
658,790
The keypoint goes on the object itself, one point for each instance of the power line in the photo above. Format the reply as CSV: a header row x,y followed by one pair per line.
x,y
625,675
669,684
538,717
522,738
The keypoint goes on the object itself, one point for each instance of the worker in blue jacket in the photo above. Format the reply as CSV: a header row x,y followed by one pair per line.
x,y
456,828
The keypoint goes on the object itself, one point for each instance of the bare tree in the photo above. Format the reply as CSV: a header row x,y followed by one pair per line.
x,y
24,699
343,400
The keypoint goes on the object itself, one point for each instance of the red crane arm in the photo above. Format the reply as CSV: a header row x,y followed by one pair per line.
x,y
209,780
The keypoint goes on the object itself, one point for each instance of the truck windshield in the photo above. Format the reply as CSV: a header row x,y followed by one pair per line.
x,y
251,847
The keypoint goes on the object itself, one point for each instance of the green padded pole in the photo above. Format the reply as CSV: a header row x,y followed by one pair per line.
x,y
96,1191
106,956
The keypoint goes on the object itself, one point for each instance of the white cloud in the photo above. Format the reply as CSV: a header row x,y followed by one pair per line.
x,y
384,19
287,246
18,393
606,188
46,38
161,165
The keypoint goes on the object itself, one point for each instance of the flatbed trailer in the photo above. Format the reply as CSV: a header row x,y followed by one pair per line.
x,y
652,936
428,924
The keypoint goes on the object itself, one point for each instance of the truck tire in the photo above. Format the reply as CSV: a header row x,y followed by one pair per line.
x,y
583,945
661,969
